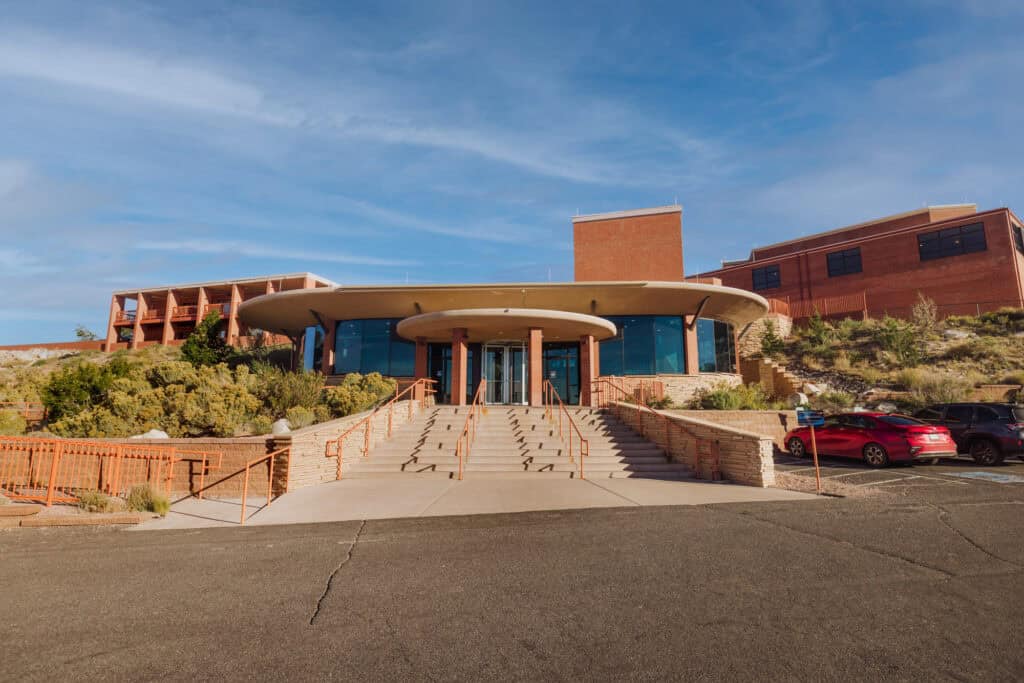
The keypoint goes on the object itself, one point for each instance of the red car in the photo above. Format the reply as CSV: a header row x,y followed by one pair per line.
x,y
877,438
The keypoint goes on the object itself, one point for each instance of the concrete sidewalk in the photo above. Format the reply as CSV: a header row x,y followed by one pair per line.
x,y
391,498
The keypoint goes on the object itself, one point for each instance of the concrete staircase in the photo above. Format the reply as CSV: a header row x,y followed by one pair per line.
x,y
513,441
776,380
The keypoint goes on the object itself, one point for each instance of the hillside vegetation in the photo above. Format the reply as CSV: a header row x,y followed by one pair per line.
x,y
201,389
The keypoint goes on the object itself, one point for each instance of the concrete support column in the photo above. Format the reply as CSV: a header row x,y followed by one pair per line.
x,y
236,299
534,348
116,306
201,301
168,335
459,366
140,310
690,346
588,353
270,287
327,359
420,368
736,349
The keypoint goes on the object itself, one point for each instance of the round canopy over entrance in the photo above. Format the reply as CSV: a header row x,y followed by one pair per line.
x,y
483,324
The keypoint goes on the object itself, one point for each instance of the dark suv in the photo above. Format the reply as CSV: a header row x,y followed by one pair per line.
x,y
988,431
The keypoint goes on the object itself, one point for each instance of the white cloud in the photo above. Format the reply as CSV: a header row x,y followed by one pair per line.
x,y
205,246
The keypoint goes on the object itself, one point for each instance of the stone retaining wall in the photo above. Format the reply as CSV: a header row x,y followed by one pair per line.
x,y
744,457
771,423
680,388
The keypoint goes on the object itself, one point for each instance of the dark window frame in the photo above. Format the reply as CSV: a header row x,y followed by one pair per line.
x,y
949,242
845,262
766,277
1018,237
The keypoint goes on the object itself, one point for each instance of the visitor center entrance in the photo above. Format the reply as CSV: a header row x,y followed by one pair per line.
x,y
504,368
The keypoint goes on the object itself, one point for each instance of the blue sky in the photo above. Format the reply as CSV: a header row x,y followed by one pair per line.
x,y
153,143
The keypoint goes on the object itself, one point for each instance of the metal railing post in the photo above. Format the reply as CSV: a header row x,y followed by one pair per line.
x,y
54,463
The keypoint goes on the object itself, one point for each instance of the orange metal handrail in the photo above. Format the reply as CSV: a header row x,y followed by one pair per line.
x,y
269,457
550,398
465,441
609,393
421,389
58,470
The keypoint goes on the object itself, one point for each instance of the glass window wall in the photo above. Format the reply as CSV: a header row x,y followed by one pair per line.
x,y
716,346
373,345
644,345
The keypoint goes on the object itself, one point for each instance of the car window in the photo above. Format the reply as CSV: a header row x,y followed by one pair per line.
x,y
856,422
959,414
900,420
984,414
833,421
1018,413
928,415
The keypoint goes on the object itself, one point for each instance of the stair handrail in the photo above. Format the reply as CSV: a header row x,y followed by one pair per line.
x,y
619,393
421,388
269,457
468,434
553,403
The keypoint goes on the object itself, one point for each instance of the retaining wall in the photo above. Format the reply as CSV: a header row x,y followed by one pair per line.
x,y
771,423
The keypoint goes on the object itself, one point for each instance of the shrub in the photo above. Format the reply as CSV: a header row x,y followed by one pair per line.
x,y
818,332
924,315
661,403
929,386
358,392
206,346
901,339
300,416
280,390
94,501
143,498
771,343
724,396
261,424
84,333
975,349
80,386
841,362
1014,378
832,401
11,423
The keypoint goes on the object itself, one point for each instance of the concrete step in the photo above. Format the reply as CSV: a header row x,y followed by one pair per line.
x,y
510,459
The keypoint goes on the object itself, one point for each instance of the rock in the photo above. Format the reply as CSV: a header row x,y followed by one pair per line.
x,y
813,389
282,426
886,407
859,409
796,400
956,334
151,434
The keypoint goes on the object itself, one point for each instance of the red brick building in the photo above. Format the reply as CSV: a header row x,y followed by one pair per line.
x,y
965,260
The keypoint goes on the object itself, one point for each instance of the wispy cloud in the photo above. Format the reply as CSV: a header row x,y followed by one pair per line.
x,y
207,246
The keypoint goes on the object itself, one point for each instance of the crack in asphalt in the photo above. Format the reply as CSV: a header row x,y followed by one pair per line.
x,y
843,541
330,579
943,515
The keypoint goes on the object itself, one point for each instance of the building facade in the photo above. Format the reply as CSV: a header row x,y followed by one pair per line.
x,y
168,315
966,261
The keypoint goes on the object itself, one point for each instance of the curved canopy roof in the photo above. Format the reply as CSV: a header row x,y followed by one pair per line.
x,y
293,311
505,323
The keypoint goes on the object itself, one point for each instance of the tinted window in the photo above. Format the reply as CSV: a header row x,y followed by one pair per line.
x,y
965,239
929,415
373,346
858,422
668,345
900,420
766,278
844,262
1018,238
961,414
716,346
644,345
833,422
1018,413
983,414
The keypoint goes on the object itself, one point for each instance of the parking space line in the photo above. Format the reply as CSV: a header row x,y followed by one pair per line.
x,y
887,481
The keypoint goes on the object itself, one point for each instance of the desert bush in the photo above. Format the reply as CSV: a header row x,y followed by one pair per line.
x,y
981,348
771,343
899,338
663,403
358,392
725,396
300,416
11,423
206,346
80,386
930,386
924,315
841,362
261,424
832,401
280,390
143,498
95,501
1016,377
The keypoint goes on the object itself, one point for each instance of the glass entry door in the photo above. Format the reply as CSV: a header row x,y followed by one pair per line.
x,y
562,369
505,371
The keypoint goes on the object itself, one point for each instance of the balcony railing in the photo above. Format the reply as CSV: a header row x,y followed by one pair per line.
x,y
153,314
823,306
223,309
184,312
124,317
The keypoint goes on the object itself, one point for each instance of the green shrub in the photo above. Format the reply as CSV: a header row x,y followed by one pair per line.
x,y
94,501
901,339
80,386
982,348
143,498
663,403
832,401
818,332
924,315
300,416
771,343
11,423
930,386
358,392
261,424
280,390
1016,377
725,396
206,346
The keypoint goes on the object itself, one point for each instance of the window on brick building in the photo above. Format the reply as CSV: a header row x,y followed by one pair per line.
x,y
1018,237
844,262
766,278
965,239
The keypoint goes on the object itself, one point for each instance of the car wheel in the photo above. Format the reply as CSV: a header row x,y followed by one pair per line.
x,y
797,448
985,452
875,455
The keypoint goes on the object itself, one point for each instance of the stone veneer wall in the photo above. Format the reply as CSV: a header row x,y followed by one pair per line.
x,y
744,457
750,337
309,465
680,388
771,423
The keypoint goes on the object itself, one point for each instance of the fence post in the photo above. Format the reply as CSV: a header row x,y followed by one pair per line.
x,y
270,478
58,449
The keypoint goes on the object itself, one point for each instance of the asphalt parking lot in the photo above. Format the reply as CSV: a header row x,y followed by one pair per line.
x,y
924,585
